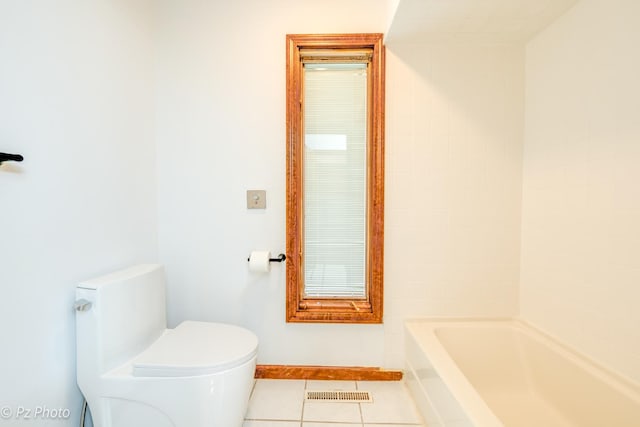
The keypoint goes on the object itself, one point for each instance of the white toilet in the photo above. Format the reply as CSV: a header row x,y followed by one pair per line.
x,y
133,371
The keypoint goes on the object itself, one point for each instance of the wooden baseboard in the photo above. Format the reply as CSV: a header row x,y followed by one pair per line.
x,y
293,372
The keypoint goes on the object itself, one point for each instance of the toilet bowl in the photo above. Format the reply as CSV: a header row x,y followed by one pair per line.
x,y
133,371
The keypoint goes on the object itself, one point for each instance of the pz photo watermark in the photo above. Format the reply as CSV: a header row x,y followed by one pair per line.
x,y
33,413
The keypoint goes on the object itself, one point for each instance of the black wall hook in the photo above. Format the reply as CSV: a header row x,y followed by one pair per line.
x,y
4,157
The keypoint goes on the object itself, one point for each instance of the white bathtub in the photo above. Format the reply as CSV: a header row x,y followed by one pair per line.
x,y
490,373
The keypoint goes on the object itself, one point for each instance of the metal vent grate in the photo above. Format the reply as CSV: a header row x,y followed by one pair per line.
x,y
338,396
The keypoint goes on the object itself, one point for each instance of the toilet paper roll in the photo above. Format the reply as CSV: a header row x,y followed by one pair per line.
x,y
259,261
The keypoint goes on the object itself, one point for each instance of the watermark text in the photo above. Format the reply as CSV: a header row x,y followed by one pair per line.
x,y
33,413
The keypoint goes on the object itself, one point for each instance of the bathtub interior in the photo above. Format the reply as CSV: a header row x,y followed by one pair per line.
x,y
522,377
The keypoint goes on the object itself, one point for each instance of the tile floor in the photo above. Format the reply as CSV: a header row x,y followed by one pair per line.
x,y
280,403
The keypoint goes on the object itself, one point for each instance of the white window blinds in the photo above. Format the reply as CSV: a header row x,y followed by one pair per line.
x,y
335,179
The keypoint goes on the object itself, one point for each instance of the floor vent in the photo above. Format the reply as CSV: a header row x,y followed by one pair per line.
x,y
338,396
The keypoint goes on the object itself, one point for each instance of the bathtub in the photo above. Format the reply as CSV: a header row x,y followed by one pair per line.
x,y
491,373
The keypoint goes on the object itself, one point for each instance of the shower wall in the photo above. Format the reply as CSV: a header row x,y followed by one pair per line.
x,y
580,266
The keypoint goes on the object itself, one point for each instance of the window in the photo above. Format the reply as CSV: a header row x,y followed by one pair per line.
x,y
335,178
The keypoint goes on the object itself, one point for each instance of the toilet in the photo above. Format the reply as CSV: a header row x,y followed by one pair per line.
x,y
133,371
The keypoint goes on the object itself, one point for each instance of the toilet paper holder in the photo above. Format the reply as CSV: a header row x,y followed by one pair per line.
x,y
280,258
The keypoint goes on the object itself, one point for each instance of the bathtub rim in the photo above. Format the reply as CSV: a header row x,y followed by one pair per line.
x,y
475,408
423,330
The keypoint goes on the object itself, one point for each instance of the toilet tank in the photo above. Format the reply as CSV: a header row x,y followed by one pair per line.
x,y
127,314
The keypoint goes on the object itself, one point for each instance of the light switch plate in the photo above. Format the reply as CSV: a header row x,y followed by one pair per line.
x,y
256,199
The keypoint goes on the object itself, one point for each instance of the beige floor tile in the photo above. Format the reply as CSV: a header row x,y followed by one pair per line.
x,y
276,400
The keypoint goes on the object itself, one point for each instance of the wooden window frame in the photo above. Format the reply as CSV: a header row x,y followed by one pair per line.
x,y
334,310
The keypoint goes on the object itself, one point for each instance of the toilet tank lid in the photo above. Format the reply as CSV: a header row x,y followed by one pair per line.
x,y
118,276
196,348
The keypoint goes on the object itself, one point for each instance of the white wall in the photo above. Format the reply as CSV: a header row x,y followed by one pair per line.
x,y
76,99
220,132
581,204
453,183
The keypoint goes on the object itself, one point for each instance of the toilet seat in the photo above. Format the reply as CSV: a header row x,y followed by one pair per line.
x,y
196,348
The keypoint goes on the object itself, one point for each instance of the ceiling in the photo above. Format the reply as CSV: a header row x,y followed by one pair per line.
x,y
491,21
